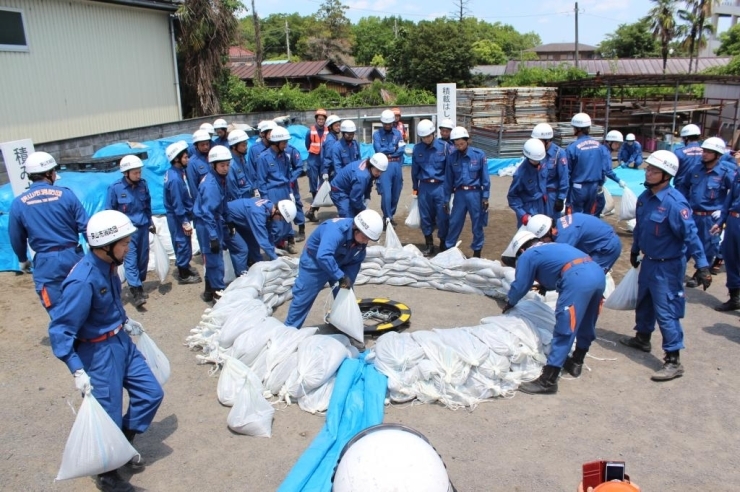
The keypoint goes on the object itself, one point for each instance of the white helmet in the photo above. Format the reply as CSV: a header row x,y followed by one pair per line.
x,y
369,223
220,123
459,132
279,134
690,130
614,136
387,116
665,160
347,126
543,131
332,119
534,149
447,123
130,162
287,209
425,128
175,149
379,161
630,137
390,457
39,163
266,125
237,136
539,225
209,128
581,120
108,226
519,239
219,153
201,136
714,143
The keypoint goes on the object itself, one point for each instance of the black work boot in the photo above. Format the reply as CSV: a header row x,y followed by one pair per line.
x,y
135,464
301,236
207,294
671,369
136,298
311,214
546,384
142,293
732,304
429,250
574,365
641,341
112,482
442,247
476,253
186,276
290,246
716,267
691,282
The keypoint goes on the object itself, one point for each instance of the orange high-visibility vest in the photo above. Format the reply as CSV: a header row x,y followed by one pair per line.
x,y
316,140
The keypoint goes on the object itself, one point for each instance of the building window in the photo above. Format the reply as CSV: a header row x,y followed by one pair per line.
x,y
12,30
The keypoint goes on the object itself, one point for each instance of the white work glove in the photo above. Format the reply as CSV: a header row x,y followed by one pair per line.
x,y
82,382
133,328
622,184
26,266
292,197
257,194
716,214
325,177
401,143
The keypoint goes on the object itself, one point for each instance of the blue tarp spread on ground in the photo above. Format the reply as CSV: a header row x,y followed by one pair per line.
x,y
633,177
356,404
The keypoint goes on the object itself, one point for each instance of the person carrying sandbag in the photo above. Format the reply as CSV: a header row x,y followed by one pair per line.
x,y
351,187
91,334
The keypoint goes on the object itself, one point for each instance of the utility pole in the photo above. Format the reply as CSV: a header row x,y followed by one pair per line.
x,y
395,27
576,57
258,79
287,38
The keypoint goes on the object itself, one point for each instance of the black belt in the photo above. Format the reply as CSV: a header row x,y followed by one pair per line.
x,y
702,213
62,248
662,259
394,159
467,188
431,180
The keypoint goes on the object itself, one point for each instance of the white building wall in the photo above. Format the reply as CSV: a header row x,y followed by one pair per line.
x,y
91,68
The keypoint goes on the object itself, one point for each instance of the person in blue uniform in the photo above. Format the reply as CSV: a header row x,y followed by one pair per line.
x,y
210,224
49,219
445,127
579,282
630,154
466,175
730,219
389,141
222,132
251,218
527,194
590,234
130,195
665,231
351,187
706,187
91,333
344,150
178,205
296,169
585,165
238,185
198,164
556,163
333,122
333,253
273,182
428,165
689,155
255,151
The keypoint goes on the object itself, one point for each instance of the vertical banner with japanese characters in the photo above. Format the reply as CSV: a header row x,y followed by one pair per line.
x,y
447,102
14,155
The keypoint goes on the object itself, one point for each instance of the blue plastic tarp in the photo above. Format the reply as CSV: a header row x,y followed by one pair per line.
x,y
355,405
633,177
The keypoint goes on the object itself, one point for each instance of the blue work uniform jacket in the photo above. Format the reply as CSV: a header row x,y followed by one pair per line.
x,y
608,171
688,157
584,232
630,153
556,162
197,168
254,214
332,249
428,162
706,191
386,142
585,160
253,155
177,199
131,199
238,182
529,185
221,141
210,204
295,163
326,164
355,182
342,153
273,171
467,169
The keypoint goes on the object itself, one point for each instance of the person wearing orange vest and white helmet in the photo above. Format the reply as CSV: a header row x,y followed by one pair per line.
x,y
315,139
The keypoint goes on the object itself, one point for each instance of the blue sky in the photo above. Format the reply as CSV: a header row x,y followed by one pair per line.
x,y
553,20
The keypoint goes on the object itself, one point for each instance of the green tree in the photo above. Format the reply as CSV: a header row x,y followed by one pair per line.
x,y
375,36
730,41
537,76
487,52
333,40
431,52
377,61
630,41
663,25
695,17
511,41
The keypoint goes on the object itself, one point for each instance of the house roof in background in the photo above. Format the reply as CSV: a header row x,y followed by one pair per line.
x,y
286,70
343,79
489,70
239,52
366,72
166,5
560,47
637,66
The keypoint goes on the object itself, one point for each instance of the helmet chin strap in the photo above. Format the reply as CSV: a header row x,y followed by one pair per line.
x,y
650,186
110,254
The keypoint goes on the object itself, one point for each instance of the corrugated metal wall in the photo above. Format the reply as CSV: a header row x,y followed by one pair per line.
x,y
91,68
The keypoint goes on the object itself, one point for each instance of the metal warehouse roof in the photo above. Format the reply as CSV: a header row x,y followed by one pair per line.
x,y
489,70
646,80
625,66
560,47
286,70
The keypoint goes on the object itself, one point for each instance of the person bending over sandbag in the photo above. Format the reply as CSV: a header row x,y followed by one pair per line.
x,y
252,219
351,187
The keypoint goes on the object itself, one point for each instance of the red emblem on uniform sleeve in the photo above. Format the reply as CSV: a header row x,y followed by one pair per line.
x,y
685,213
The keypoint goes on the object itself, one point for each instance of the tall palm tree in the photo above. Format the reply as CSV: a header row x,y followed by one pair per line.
x,y
663,25
695,15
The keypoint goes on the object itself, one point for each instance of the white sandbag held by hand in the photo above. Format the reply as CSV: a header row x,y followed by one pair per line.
x,y
95,444
251,414
624,297
414,218
161,260
609,203
629,205
345,314
229,274
323,199
391,238
155,359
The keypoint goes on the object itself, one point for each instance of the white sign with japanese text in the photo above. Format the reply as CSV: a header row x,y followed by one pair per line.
x,y
447,102
14,155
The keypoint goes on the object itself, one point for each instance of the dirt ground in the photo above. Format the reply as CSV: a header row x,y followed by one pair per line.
x,y
680,435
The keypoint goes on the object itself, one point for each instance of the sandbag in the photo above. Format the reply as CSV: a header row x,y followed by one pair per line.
x,y
317,400
251,414
609,200
155,359
323,198
250,313
232,377
450,258
95,444
319,357
391,238
628,206
161,260
249,344
414,219
449,364
229,274
470,349
624,297
277,377
346,316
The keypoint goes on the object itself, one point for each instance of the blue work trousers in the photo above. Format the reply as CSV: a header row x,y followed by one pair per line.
x,y
710,242
731,251
307,286
300,216
549,204
580,294
660,297
467,202
116,364
238,250
50,269
344,207
431,199
180,242
313,170
583,197
213,262
137,258
390,184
